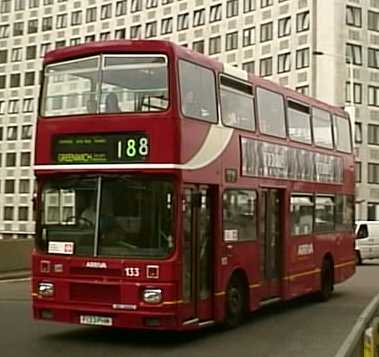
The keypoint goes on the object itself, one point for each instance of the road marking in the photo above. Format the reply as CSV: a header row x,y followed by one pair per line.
x,y
14,280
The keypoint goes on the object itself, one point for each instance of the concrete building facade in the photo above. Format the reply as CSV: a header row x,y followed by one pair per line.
x,y
324,48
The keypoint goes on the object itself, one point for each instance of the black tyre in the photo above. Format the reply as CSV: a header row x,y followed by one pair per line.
x,y
235,302
358,258
327,280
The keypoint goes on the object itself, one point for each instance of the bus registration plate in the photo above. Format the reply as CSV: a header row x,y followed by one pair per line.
x,y
95,320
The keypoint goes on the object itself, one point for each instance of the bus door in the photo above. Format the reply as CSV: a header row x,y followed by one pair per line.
x,y
197,256
270,231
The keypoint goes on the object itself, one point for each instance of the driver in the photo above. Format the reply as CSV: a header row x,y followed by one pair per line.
x,y
89,213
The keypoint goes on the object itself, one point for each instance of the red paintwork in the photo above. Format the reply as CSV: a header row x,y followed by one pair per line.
x,y
175,139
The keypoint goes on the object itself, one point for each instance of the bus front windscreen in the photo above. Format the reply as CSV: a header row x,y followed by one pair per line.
x,y
121,216
105,84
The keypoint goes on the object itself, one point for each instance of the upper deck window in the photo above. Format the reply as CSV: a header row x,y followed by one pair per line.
x,y
299,122
198,92
271,112
237,104
342,134
322,128
106,84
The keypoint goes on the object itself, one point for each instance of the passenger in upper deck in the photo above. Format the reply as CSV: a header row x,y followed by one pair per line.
x,y
111,104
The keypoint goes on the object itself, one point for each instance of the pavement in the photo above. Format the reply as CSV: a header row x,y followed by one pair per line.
x,y
17,274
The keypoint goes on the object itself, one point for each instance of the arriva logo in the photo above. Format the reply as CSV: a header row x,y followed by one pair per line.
x,y
98,265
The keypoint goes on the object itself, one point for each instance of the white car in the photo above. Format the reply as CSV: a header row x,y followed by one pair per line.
x,y
367,240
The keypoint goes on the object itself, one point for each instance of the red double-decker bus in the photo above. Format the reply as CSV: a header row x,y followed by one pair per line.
x,y
175,192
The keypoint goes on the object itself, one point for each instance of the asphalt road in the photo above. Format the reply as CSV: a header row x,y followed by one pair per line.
x,y
299,328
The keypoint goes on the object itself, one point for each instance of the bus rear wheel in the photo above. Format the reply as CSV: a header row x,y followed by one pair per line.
x,y
327,280
235,302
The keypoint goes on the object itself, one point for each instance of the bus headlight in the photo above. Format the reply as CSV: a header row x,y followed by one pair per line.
x,y
152,296
46,289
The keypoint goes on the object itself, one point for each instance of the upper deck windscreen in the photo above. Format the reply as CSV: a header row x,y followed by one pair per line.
x,y
105,84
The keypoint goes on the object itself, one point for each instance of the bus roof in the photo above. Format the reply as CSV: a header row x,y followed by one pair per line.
x,y
162,46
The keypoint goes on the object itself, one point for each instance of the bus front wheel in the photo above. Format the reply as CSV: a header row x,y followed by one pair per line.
x,y
235,302
327,280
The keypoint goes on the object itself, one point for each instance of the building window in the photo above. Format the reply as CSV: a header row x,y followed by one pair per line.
x,y
354,16
166,2
9,186
373,173
215,13
5,6
249,67
373,21
19,5
135,31
12,133
231,8
302,21
4,31
89,38
13,106
358,172
18,29
104,36
31,52
248,36
265,67
373,58
284,26
2,107
28,105
214,45
26,132
25,159
284,62
29,78
266,32
33,4
15,80
302,58
44,48
265,3
231,42
16,54
8,213
249,5
24,186
183,22
373,134
357,93
32,26
166,26
121,8
10,159
136,6
151,29
61,21
373,96
106,11
76,18
23,213
120,34
358,132
372,211
3,81
75,41
47,23
198,17
3,56
354,54
198,46
151,4
91,14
